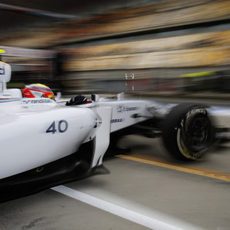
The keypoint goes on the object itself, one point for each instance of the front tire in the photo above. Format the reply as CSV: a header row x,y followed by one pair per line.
x,y
187,131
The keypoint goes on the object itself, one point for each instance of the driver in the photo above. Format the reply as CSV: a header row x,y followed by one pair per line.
x,y
37,91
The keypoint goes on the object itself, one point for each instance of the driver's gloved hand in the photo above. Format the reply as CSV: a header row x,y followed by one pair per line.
x,y
77,100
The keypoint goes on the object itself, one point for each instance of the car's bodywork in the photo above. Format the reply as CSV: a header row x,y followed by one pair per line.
x,y
45,143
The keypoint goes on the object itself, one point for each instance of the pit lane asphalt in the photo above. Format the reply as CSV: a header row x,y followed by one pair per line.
x,y
175,197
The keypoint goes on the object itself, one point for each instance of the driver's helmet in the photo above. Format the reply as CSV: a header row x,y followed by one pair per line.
x,y
37,91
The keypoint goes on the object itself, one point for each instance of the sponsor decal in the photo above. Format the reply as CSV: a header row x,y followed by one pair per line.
x,y
36,101
121,108
117,120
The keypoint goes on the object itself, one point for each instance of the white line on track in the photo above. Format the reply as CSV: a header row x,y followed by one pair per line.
x,y
152,222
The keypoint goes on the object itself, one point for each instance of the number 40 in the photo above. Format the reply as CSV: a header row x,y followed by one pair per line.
x,y
58,126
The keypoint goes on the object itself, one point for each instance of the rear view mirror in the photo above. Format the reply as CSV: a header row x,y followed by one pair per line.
x,y
5,72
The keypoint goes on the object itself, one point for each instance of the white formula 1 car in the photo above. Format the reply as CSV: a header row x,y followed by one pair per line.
x,y
45,143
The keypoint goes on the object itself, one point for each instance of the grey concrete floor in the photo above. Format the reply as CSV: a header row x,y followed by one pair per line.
x,y
49,210
176,197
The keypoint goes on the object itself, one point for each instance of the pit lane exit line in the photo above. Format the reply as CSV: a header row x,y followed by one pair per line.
x,y
156,221
200,172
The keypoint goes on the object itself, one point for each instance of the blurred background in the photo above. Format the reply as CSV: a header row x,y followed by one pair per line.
x,y
161,48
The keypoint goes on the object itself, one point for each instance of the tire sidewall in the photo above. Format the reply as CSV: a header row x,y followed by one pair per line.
x,y
183,145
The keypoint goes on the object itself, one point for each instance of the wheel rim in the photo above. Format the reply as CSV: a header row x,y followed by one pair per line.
x,y
194,136
197,135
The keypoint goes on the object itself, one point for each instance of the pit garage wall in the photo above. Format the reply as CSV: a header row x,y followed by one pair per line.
x,y
158,47
30,66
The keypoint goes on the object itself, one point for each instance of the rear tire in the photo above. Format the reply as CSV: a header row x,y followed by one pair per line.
x,y
187,131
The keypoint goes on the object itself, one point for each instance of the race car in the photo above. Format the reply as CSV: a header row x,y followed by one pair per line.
x,y
45,143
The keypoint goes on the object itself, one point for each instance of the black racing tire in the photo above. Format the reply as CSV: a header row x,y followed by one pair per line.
x,y
188,132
